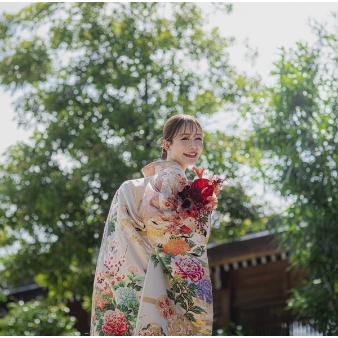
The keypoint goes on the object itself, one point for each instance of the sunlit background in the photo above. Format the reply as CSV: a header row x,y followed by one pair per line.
x,y
266,26
271,127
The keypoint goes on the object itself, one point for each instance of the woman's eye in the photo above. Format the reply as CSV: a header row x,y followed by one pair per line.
x,y
185,138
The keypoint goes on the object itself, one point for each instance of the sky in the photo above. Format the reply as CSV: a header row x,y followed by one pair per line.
x,y
267,26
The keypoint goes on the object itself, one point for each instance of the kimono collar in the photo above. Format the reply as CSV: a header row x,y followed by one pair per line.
x,y
154,167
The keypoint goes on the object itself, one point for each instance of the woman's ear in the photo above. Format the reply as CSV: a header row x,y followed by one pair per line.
x,y
166,144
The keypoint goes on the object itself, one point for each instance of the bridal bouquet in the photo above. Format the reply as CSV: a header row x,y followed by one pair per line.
x,y
197,200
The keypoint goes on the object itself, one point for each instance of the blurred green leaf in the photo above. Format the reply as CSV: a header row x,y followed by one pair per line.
x,y
37,318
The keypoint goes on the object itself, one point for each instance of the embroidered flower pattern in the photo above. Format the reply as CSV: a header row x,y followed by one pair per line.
x,y
152,329
176,246
179,326
164,306
115,296
114,323
125,295
100,302
187,268
205,290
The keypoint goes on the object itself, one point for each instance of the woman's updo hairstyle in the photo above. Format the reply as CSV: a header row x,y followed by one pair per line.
x,y
174,125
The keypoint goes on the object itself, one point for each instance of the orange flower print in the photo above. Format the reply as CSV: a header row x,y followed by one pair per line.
x,y
101,302
109,292
176,246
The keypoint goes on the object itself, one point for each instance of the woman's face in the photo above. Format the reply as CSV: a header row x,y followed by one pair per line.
x,y
186,147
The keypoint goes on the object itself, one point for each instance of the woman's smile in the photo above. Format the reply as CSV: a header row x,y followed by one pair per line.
x,y
191,155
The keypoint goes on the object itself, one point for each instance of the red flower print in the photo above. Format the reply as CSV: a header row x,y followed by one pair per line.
x,y
114,323
185,230
188,268
164,306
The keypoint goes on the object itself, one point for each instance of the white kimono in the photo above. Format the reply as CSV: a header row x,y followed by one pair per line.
x,y
152,275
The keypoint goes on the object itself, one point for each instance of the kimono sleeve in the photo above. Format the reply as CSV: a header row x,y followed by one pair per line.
x,y
158,208
178,270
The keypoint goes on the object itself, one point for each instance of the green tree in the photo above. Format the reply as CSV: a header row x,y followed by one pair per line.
x,y
94,82
296,130
37,318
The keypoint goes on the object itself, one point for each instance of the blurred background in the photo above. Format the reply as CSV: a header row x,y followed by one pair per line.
x,y
85,91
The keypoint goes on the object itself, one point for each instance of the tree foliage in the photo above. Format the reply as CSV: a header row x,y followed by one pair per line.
x,y
95,83
37,318
297,131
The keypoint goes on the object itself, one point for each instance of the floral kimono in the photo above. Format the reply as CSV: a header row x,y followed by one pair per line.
x,y
152,275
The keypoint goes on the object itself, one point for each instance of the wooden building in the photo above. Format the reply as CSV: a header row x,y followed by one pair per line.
x,y
251,283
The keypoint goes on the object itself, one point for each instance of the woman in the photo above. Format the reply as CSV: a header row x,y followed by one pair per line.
x,y
152,275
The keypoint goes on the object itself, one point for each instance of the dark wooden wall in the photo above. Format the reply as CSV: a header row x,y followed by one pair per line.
x,y
255,297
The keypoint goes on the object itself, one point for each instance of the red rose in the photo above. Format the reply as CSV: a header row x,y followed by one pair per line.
x,y
204,185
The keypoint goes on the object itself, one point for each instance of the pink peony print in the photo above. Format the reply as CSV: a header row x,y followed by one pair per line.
x,y
114,323
132,268
187,267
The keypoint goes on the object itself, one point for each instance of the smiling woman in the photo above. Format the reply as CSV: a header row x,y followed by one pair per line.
x,y
152,275
182,140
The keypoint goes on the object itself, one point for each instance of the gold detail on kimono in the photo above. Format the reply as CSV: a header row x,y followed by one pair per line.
x,y
164,306
178,325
